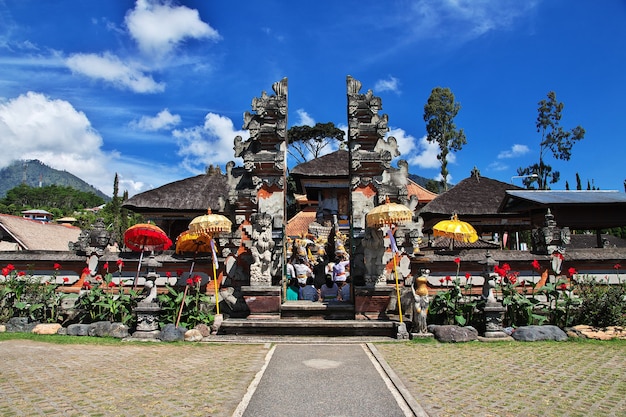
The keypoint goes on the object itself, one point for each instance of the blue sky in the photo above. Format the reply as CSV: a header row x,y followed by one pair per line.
x,y
156,90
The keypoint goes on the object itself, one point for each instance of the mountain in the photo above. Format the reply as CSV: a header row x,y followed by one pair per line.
x,y
35,173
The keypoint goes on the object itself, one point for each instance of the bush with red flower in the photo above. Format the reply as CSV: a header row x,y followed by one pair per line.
x,y
189,307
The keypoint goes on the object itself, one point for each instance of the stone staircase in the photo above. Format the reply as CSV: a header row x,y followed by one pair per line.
x,y
306,318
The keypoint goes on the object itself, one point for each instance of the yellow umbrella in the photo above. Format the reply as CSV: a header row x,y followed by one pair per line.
x,y
387,214
390,214
456,229
211,224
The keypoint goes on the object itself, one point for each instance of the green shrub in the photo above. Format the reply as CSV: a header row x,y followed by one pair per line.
x,y
601,305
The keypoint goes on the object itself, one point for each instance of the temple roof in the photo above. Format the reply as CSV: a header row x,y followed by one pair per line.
x,y
335,164
194,194
475,196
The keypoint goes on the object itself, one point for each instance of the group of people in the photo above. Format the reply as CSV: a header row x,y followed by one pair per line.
x,y
325,281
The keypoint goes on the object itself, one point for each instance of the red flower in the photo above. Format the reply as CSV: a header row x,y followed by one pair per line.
x,y
571,272
617,266
500,271
6,271
120,264
197,279
563,286
179,272
441,280
21,274
522,283
106,266
87,285
86,271
512,279
506,267
468,275
189,281
168,274
448,278
111,284
457,260
66,280
56,266
536,265
98,278
10,267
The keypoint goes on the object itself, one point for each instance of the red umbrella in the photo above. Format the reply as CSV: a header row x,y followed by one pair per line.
x,y
145,236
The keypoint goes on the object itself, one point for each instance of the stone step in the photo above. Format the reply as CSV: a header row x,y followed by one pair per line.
x,y
308,327
308,310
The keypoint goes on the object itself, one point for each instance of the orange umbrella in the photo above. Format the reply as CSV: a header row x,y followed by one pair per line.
x,y
190,242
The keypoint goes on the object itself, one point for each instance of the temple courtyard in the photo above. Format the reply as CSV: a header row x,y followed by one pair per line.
x,y
42,376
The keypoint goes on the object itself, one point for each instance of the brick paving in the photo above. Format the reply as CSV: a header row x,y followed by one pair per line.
x,y
210,379
147,379
513,378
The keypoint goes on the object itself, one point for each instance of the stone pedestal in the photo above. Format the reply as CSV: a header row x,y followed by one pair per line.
x,y
494,314
147,320
371,303
262,301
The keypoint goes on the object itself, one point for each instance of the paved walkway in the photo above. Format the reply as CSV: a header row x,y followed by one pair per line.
x,y
323,380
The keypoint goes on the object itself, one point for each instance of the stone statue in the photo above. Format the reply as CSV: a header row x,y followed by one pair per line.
x,y
261,250
152,292
420,303
373,251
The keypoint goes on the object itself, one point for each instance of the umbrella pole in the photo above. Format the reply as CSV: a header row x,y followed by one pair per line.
x,y
217,303
182,303
138,269
395,271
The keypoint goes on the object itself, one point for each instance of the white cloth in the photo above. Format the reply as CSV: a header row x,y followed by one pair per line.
x,y
302,272
339,271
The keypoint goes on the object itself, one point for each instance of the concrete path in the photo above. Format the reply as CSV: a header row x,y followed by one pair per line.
x,y
325,380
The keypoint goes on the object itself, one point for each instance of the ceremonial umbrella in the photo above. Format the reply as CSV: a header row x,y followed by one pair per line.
x,y
390,214
210,225
145,236
456,229
190,242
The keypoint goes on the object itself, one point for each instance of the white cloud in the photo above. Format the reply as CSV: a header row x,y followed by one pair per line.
x,y
465,19
427,155
159,26
109,68
497,166
33,126
515,151
304,119
164,120
211,143
406,142
390,84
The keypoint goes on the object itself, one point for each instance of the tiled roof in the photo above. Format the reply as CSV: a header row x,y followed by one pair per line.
x,y
298,225
423,195
37,235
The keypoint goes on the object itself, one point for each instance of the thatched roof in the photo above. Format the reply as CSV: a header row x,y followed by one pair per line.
x,y
475,196
19,233
473,199
334,164
194,194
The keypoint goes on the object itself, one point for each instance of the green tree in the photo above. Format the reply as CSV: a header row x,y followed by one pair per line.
x,y
554,140
308,142
439,114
